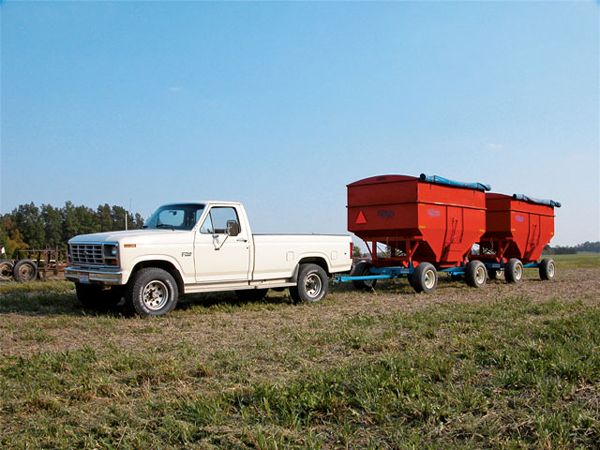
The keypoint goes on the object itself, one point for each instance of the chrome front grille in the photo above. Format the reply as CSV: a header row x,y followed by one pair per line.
x,y
87,254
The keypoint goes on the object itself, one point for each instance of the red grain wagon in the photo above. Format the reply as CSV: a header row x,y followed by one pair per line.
x,y
428,223
517,230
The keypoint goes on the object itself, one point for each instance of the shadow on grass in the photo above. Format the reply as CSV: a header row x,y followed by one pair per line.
x,y
40,303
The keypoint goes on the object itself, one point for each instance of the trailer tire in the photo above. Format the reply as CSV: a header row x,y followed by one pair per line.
x,y
476,274
362,268
513,272
25,270
95,297
152,292
424,278
251,295
6,270
312,286
547,269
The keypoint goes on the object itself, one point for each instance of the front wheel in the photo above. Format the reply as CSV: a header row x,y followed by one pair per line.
x,y
547,269
312,286
424,278
513,271
476,274
152,292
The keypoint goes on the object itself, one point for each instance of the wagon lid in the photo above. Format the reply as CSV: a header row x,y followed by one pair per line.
x,y
436,179
378,179
538,201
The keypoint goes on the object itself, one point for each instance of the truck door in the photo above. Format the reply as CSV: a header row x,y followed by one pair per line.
x,y
218,257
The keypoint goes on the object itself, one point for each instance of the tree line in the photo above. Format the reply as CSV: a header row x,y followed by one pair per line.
x,y
587,246
31,227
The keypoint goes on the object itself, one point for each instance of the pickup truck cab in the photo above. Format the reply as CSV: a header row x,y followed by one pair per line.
x,y
200,247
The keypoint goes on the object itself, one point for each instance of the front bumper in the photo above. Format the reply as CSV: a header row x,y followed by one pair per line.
x,y
94,276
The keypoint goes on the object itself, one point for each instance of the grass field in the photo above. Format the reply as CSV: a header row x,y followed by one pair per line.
x,y
510,366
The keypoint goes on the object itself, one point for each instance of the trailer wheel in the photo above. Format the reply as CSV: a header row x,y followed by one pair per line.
x,y
362,268
251,295
152,292
513,271
97,298
476,274
547,269
6,270
424,278
312,286
25,270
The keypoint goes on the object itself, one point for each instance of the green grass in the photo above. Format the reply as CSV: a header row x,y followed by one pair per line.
x,y
501,367
577,261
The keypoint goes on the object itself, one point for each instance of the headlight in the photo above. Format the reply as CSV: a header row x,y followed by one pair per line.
x,y
111,250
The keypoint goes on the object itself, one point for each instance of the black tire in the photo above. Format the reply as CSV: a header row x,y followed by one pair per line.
x,y
495,274
152,292
362,268
476,274
6,270
25,270
547,269
513,272
424,278
313,284
98,298
251,295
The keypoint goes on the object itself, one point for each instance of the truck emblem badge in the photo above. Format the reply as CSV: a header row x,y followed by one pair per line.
x,y
360,219
186,253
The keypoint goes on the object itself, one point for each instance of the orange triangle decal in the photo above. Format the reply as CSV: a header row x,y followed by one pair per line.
x,y
360,219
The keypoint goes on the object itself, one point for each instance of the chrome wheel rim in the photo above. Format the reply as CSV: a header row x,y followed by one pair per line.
x,y
313,285
429,279
155,295
518,271
551,270
480,275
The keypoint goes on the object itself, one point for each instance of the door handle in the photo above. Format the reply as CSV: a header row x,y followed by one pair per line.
x,y
241,240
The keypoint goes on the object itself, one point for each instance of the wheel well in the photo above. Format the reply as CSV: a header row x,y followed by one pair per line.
x,y
165,265
315,260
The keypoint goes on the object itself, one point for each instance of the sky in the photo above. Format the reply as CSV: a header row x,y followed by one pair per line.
x,y
281,105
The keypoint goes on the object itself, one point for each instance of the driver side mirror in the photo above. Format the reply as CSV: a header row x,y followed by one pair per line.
x,y
233,228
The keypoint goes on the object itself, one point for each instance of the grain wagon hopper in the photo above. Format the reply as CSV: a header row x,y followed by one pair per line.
x,y
517,230
427,223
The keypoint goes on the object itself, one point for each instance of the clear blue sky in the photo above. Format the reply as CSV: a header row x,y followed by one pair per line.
x,y
280,105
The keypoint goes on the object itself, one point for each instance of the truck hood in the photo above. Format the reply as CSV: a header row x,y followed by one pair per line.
x,y
147,236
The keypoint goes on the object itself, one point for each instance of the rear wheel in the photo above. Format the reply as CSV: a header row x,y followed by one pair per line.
x,y
6,270
547,269
513,271
251,295
97,297
152,292
312,286
476,274
25,270
362,269
424,278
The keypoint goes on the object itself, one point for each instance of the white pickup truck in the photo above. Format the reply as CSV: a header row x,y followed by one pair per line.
x,y
200,247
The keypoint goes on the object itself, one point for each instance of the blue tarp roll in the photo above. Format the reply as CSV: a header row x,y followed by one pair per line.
x,y
441,180
539,201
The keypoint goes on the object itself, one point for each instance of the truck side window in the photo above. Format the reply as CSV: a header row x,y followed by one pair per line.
x,y
216,221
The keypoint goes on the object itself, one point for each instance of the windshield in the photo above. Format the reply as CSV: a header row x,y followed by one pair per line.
x,y
176,217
